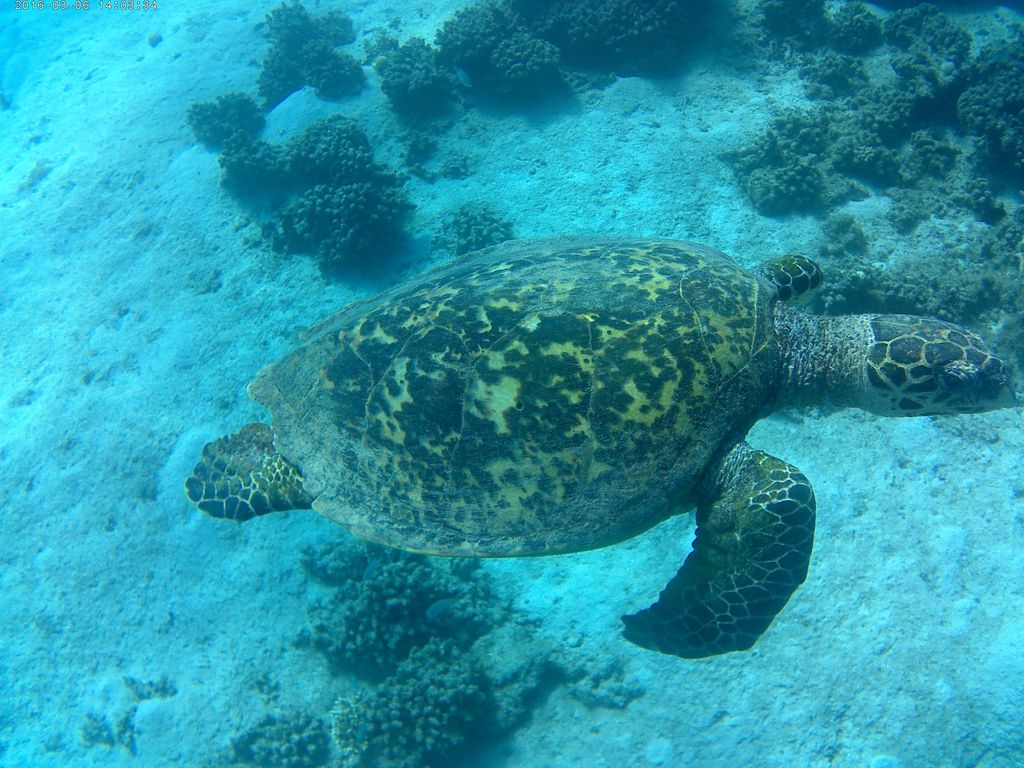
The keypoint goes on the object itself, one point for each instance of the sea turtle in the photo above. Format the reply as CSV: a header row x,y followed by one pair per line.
x,y
557,395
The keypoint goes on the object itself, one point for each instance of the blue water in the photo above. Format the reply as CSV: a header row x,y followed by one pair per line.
x,y
140,296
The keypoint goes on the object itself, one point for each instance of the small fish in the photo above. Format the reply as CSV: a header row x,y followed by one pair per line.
x,y
438,608
462,76
373,565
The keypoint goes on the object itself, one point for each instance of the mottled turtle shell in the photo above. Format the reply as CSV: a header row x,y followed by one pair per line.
x,y
536,397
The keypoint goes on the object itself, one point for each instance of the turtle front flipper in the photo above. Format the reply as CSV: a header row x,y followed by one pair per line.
x,y
755,530
242,476
791,276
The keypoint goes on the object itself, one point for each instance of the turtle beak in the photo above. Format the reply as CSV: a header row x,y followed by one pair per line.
x,y
975,390
1005,397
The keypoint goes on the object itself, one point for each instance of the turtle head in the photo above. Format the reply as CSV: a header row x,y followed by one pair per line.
x,y
918,366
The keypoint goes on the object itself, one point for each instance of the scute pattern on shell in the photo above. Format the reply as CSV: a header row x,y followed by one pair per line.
x,y
535,397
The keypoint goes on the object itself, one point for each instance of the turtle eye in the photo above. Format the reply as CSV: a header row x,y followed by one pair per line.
x,y
958,375
995,370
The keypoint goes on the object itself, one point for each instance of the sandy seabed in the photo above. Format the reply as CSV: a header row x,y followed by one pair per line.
x,y
138,300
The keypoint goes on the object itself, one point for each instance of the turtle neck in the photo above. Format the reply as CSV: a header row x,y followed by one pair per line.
x,y
822,357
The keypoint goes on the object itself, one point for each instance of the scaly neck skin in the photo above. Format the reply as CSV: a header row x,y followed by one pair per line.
x,y
823,358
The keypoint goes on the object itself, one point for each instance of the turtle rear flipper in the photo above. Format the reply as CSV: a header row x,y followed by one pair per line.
x,y
242,476
755,530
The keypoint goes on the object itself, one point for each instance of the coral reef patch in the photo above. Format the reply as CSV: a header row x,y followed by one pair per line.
x,y
471,227
304,50
446,668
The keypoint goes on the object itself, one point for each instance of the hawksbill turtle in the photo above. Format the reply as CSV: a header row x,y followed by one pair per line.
x,y
557,395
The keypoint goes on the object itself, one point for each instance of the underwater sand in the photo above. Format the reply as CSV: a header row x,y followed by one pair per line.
x,y
138,301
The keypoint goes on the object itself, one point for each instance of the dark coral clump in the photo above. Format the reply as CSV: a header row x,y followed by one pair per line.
x,y
797,185
927,32
468,39
781,172
843,238
930,56
345,224
526,63
519,47
472,227
339,203
304,51
332,74
854,28
493,49
290,26
332,150
932,61
338,563
415,81
252,169
927,155
859,153
901,130
895,133
347,208
291,740
830,74
947,286
446,669
799,22
625,36
280,76
977,196
213,122
890,114
948,290
431,704
992,108
396,604
1005,248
